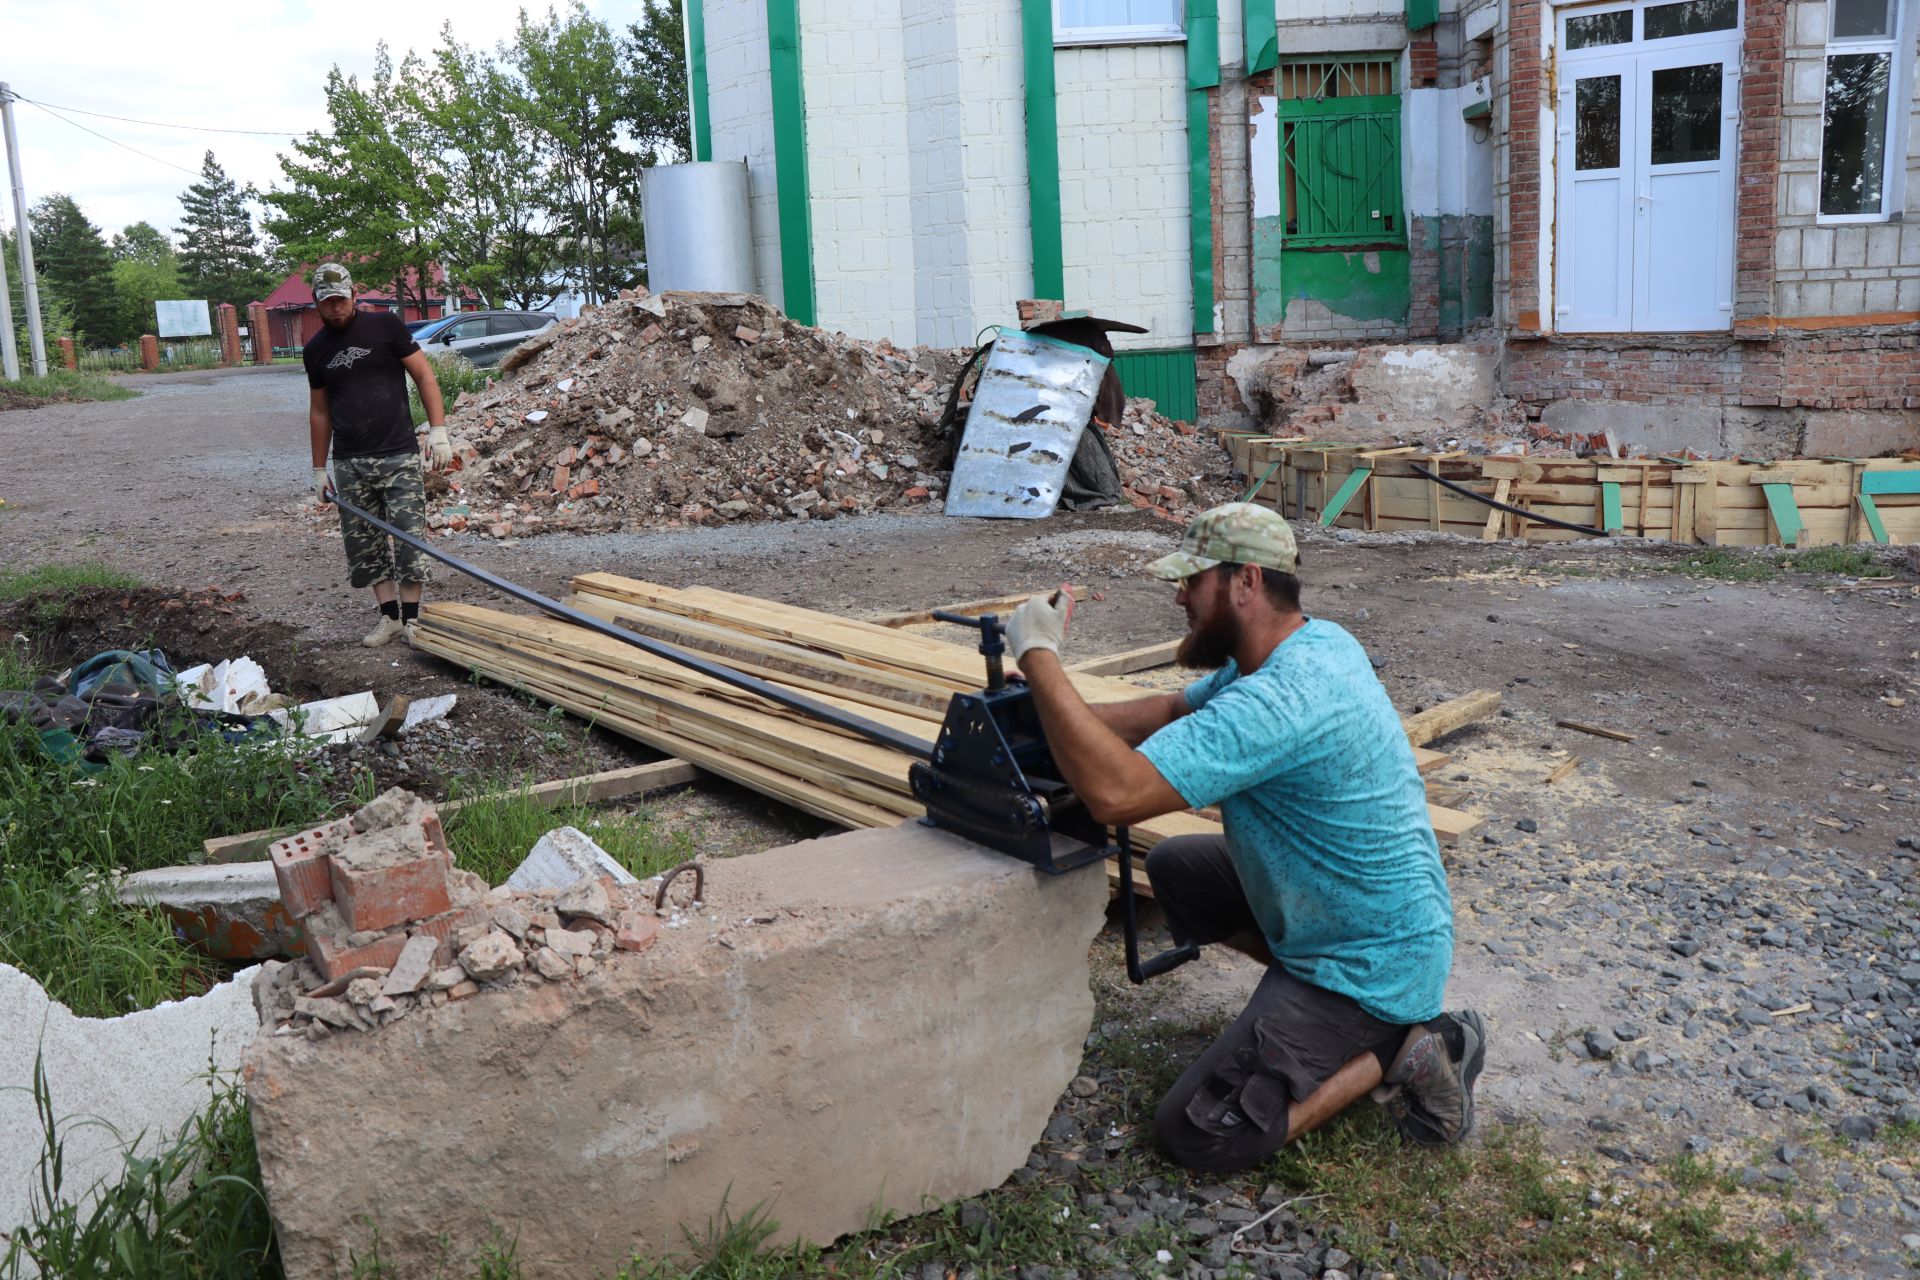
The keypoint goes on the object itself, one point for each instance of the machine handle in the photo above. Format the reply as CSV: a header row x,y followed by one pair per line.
x,y
1139,971
993,642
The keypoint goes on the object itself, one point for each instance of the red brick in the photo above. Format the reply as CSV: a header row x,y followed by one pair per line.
x,y
300,865
378,897
329,950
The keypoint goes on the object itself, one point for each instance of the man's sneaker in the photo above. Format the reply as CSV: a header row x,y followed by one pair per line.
x,y
1430,1097
387,630
411,632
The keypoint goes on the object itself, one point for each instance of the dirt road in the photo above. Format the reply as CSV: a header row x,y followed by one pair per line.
x,y
1707,937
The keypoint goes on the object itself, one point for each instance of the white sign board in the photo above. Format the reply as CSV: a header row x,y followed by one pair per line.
x,y
182,319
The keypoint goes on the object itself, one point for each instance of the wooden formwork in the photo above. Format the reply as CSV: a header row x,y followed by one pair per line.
x,y
1796,503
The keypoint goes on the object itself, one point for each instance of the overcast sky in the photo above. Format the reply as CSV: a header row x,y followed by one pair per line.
x,y
243,66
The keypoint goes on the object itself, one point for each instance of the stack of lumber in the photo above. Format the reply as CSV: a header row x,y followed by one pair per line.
x,y
1795,503
897,678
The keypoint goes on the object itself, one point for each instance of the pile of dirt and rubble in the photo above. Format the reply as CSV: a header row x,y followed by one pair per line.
x,y
700,408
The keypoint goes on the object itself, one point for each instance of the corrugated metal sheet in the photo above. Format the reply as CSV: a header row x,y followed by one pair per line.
x,y
1167,377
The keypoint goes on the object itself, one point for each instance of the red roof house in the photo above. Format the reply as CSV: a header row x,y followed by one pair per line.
x,y
292,319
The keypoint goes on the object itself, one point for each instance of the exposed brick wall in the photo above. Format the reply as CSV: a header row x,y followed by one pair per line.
x,y
1852,369
1520,93
1763,67
1423,60
1423,260
1216,394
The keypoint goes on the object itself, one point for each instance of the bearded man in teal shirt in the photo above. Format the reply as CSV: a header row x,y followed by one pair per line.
x,y
1327,871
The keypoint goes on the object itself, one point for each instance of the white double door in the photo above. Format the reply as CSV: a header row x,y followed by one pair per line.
x,y
1647,152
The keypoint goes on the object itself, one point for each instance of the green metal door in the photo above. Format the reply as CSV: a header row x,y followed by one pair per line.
x,y
1343,158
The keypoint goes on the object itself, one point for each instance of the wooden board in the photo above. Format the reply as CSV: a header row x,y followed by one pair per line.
x,y
970,608
1144,658
1452,714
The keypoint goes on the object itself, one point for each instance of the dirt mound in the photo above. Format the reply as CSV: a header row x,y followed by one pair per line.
x,y
702,408
695,407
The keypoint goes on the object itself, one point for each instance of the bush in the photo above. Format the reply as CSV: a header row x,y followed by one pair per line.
x,y
457,377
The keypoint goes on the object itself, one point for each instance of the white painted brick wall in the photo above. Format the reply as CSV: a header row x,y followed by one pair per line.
x,y
1835,270
740,111
1124,193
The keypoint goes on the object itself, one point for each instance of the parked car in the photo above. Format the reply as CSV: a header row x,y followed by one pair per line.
x,y
484,337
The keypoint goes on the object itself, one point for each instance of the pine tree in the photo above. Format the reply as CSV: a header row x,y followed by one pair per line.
x,y
220,255
74,265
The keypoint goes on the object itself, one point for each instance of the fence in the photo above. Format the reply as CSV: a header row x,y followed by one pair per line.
x,y
175,353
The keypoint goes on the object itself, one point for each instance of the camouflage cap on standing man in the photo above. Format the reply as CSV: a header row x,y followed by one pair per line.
x,y
1232,533
330,280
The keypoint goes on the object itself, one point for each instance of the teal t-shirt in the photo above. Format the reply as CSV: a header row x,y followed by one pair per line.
x,y
1326,819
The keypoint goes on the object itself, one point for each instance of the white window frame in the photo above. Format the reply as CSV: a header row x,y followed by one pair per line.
x,y
1893,157
1146,33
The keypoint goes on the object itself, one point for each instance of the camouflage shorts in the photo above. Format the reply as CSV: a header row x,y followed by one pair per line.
x,y
390,487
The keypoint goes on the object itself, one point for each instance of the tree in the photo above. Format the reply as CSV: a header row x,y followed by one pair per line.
x,y
220,257
577,78
145,269
366,191
73,265
142,242
490,227
662,120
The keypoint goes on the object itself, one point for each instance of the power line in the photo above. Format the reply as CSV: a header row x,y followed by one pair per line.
x,y
104,138
161,124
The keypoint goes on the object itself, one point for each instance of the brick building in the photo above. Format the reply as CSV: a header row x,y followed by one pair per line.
x,y
1682,219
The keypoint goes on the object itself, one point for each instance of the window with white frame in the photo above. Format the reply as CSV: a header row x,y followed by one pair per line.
x,y
1116,21
1858,128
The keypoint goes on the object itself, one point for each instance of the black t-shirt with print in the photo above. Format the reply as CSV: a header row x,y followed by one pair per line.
x,y
359,369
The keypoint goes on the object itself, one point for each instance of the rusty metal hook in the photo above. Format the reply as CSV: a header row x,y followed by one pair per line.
x,y
699,884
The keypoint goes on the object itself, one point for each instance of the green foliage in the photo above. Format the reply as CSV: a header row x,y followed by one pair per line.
x,y
64,385
220,255
137,285
143,242
190,1209
1726,565
658,45
1852,562
490,838
457,377
61,582
73,263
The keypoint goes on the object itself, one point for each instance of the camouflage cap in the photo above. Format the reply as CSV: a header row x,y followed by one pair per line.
x,y
330,280
1232,533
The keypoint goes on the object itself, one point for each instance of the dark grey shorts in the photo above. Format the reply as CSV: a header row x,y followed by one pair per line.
x,y
1229,1109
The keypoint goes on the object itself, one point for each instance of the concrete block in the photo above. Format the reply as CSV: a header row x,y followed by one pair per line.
x,y
1423,383
139,1076
1657,428
895,1033
1816,248
231,911
1865,433
563,856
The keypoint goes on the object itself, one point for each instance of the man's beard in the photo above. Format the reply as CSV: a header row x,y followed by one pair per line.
x,y
337,325
1211,642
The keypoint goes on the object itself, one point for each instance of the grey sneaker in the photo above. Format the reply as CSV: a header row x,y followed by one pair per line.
x,y
1432,1101
387,629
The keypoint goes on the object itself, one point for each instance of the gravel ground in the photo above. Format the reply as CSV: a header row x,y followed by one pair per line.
x,y
1705,939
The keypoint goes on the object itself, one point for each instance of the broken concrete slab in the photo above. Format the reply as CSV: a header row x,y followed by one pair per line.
x,y
231,911
426,709
563,856
897,1031
112,1079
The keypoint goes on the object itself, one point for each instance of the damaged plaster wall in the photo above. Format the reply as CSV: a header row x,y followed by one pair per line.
x,y
854,65
1123,187
143,1075
740,97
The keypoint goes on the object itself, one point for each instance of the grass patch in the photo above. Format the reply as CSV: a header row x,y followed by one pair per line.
x,y
1724,565
191,1208
491,837
65,385
56,584
1852,562
1727,564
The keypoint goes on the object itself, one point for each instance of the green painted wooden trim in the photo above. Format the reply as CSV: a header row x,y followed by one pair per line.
x,y
1371,104
1610,506
1043,151
1786,515
1355,479
1884,482
1422,14
1261,483
1203,73
1263,35
1872,513
792,190
698,109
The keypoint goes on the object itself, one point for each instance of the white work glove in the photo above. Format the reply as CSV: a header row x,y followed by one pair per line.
x,y
322,486
439,449
1040,623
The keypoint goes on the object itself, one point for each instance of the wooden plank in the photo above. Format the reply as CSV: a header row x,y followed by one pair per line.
x,y
1596,730
1144,658
1453,714
591,788
1564,768
1610,507
1784,514
1496,519
1331,512
970,608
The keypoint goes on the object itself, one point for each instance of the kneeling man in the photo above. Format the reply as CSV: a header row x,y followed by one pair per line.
x,y
1328,871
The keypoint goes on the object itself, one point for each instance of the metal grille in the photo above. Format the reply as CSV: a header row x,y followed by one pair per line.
x,y
1340,153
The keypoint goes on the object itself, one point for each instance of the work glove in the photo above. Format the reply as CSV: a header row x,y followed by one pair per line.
x,y
439,449
1040,623
322,486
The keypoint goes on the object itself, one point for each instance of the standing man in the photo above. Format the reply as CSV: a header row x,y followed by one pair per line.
x,y
1327,872
357,403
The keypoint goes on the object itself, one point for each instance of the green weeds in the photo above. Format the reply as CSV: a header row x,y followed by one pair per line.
x,y
56,584
65,385
457,377
491,836
1726,564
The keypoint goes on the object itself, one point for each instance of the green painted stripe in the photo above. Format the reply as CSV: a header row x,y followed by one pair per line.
x,y
1881,483
1203,73
1355,479
696,31
1872,512
1785,512
1610,506
790,159
1263,36
1043,151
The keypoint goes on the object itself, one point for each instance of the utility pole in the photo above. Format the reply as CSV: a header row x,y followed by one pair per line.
x,y
9,354
23,236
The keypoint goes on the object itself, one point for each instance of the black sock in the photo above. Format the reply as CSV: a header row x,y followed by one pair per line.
x,y
410,611
389,609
